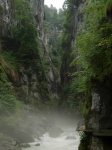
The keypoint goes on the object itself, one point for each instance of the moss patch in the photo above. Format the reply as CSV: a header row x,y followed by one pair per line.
x,y
85,142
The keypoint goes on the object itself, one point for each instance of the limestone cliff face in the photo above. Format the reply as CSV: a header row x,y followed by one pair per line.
x,y
52,75
38,8
6,15
28,84
31,85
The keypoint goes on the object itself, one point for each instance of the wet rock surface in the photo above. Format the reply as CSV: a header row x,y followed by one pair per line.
x,y
8,143
16,133
38,144
70,137
55,132
25,145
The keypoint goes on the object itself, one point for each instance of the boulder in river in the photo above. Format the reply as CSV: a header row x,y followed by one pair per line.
x,y
70,137
25,145
55,132
38,144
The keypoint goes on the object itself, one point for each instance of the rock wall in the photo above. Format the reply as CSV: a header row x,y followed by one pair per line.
x,y
31,85
38,8
52,75
96,144
99,119
51,38
6,13
26,82
66,73
8,16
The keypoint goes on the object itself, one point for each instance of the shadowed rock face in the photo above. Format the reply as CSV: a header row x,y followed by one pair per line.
x,y
78,2
27,81
100,117
109,13
16,133
100,114
8,143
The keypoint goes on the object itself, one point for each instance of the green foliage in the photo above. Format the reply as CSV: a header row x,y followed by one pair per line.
x,y
51,15
94,51
52,27
84,141
85,111
66,37
68,96
8,101
54,17
94,43
9,59
82,135
108,7
24,33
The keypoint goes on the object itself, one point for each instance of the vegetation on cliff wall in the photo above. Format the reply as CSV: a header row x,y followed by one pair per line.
x,y
20,48
23,34
94,50
8,100
84,141
93,53
66,48
53,21
52,27
21,52
92,62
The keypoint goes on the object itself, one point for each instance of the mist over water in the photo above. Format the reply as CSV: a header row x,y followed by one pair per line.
x,y
68,125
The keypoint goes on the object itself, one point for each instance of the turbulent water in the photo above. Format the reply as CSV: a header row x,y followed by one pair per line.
x,y
60,143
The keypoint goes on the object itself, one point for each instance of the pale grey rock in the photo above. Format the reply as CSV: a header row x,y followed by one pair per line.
x,y
96,102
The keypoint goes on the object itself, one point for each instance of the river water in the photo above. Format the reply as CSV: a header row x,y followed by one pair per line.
x,y
60,143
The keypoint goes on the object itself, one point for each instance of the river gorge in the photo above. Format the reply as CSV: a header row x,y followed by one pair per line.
x,y
68,140
59,143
